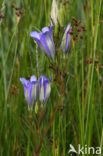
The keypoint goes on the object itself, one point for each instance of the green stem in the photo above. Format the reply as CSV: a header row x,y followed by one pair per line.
x,y
94,53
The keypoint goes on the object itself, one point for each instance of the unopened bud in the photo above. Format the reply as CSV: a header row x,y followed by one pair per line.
x,y
54,12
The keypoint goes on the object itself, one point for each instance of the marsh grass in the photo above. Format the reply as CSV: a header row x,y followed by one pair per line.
x,y
81,120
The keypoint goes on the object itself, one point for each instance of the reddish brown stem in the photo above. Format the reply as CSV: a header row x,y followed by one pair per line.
x,y
45,133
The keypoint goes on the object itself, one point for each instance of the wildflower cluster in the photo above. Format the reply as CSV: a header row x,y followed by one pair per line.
x,y
45,41
31,89
57,54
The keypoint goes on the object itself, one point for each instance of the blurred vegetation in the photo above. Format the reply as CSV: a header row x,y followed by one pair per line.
x,y
81,120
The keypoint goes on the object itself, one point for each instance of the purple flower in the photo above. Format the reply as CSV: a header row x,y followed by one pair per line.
x,y
30,90
45,41
66,40
44,88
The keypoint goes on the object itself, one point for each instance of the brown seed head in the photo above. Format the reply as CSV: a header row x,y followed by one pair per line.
x,y
17,8
21,12
1,16
74,19
82,27
81,37
78,30
71,33
17,14
12,6
79,22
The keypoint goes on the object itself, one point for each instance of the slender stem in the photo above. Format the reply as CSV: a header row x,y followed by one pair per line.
x,y
37,59
45,133
31,125
93,65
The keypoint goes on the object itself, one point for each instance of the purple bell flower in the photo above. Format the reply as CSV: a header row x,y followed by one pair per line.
x,y
44,88
66,43
30,90
45,41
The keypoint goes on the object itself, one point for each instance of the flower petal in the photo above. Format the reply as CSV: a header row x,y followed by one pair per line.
x,y
35,35
45,29
66,39
44,89
43,41
30,89
47,90
51,28
48,44
67,28
33,78
24,81
34,93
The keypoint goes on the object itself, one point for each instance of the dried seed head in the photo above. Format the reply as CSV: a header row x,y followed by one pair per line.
x,y
21,12
17,14
78,30
1,16
76,24
84,29
89,61
74,19
51,141
74,39
12,6
65,3
71,33
13,86
79,22
81,37
96,61
17,8
72,29
76,36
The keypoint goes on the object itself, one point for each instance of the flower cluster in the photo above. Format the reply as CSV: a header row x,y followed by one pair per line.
x,y
31,89
45,41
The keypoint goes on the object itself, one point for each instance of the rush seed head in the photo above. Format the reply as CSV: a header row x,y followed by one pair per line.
x,y
13,6
17,14
81,37
74,19
79,22
76,35
65,3
72,29
21,12
84,29
17,8
76,24
1,16
78,30
71,33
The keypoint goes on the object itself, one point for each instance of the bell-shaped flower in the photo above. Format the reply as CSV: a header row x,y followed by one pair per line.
x,y
30,90
45,41
44,88
66,43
